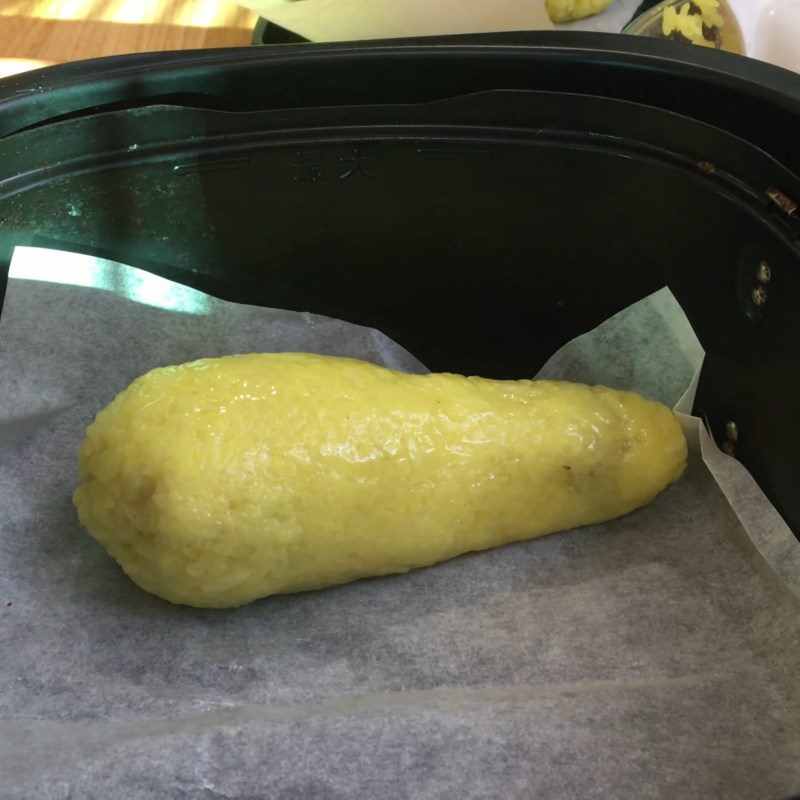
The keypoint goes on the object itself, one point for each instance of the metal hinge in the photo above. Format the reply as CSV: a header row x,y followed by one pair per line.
x,y
786,209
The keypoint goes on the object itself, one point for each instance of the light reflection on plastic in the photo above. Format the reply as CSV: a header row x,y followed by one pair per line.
x,y
74,269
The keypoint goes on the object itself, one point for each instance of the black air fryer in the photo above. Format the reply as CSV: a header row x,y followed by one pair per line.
x,y
481,200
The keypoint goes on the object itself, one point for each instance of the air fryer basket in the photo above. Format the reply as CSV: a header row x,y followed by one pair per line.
x,y
481,200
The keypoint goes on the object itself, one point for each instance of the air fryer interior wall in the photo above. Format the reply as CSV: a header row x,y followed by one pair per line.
x,y
513,192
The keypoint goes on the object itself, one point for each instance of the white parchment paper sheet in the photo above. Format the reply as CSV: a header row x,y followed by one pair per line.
x,y
344,20
652,657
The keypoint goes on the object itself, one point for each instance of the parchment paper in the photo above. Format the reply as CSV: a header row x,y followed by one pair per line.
x,y
349,20
338,20
652,657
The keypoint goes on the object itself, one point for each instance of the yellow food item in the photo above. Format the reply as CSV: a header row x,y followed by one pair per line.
x,y
221,481
688,21
568,10
710,13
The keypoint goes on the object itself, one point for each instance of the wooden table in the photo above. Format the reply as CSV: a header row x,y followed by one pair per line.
x,y
36,33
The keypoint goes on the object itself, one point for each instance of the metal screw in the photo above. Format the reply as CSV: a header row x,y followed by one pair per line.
x,y
759,296
728,449
764,272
